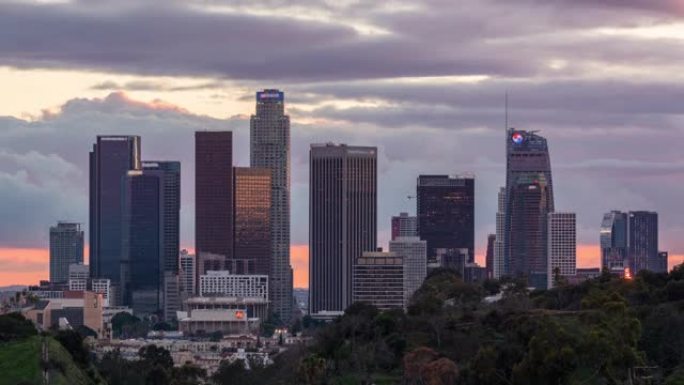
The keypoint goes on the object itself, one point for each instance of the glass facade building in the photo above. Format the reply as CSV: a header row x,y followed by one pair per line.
x,y
528,201
110,160
213,196
252,221
446,213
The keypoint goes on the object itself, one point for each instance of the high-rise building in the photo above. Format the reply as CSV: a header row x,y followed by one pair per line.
x,y
110,160
379,280
187,274
342,220
404,226
446,212
613,241
489,255
270,149
66,248
499,269
660,265
413,251
252,204
151,236
529,200
642,240
79,276
213,196
562,246
629,242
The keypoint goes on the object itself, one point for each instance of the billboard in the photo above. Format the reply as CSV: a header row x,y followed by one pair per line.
x,y
270,95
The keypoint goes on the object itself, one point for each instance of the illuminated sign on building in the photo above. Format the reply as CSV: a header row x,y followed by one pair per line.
x,y
270,95
517,138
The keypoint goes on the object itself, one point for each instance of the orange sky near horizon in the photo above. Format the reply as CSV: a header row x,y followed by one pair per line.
x,y
28,266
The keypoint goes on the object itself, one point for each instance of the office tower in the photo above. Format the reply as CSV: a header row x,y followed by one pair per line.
x,y
413,250
66,248
172,298
660,265
629,242
110,160
613,242
404,226
499,269
446,212
642,240
151,237
562,246
342,220
489,256
213,196
379,280
270,149
187,273
252,204
454,259
529,199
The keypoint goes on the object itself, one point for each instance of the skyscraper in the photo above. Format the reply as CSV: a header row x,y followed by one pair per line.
x,y
110,160
187,274
213,196
630,241
562,246
613,241
499,269
446,213
270,149
342,220
489,256
151,237
66,248
252,221
413,251
404,226
642,240
529,199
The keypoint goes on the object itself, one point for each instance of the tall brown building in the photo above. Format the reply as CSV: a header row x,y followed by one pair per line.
x,y
252,226
213,195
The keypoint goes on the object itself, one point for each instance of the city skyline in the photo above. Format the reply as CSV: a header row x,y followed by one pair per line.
x,y
603,91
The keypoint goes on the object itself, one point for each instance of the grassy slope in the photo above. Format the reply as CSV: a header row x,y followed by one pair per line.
x,y
20,361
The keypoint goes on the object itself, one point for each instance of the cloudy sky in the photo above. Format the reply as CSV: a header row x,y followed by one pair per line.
x,y
422,80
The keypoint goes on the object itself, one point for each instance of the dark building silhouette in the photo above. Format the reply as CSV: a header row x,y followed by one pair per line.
x,y
642,240
270,149
446,213
213,196
613,241
489,256
342,220
660,264
110,160
252,204
151,235
529,199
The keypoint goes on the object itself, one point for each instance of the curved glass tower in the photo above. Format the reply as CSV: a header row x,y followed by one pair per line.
x,y
529,199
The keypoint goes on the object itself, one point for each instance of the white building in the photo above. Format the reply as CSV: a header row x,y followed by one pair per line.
x,y
562,245
223,284
414,252
187,273
499,264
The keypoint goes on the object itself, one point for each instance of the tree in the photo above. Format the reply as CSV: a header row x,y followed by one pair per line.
x,y
312,369
73,343
152,355
14,326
